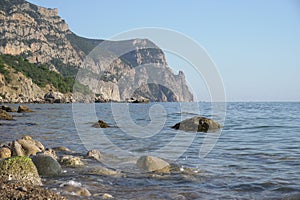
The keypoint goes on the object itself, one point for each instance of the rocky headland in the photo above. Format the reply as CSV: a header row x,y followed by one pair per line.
x,y
40,55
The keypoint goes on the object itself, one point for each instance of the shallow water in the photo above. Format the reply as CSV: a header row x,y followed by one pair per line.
x,y
257,155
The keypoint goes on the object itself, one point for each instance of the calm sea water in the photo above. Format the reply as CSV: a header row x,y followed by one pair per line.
x,y
257,155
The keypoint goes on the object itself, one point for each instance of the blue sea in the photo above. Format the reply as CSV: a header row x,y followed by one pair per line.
x,y
255,156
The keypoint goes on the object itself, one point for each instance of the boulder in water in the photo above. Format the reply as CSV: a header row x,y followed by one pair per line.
x,y
5,116
22,109
46,165
100,124
197,124
8,109
153,164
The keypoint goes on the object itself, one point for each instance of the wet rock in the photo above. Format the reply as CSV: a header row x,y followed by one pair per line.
x,y
100,124
78,191
8,109
22,109
62,148
50,152
5,152
153,164
107,196
5,116
197,124
19,169
26,147
46,165
19,190
102,171
71,161
95,154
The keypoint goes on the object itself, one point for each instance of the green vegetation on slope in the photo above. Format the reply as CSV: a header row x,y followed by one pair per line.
x,y
39,74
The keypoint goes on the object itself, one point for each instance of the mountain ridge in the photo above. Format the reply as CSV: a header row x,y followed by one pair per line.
x,y
40,36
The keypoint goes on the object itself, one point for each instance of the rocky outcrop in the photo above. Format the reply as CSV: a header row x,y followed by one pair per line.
x,y
19,89
198,124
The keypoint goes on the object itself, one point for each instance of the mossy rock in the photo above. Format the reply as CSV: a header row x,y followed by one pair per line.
x,y
19,168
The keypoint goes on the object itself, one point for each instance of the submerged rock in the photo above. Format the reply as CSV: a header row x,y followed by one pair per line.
x,y
8,109
46,165
22,109
153,164
5,116
197,124
19,169
95,154
100,124
71,161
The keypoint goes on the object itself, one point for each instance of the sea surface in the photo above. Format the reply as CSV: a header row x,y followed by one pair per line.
x,y
256,156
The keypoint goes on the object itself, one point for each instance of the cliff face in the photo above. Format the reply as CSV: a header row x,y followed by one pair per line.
x,y
41,36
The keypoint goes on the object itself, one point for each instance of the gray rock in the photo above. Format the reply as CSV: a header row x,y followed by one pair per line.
x,y
46,165
152,164
197,124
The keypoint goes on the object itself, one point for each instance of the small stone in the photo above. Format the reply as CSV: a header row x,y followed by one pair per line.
x,y
50,152
107,196
22,109
71,161
100,124
5,152
62,148
77,190
22,189
94,154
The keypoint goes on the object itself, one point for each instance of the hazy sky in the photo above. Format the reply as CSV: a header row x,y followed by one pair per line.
x,y
255,44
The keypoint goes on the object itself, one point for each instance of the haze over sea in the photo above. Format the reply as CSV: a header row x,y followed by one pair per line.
x,y
257,155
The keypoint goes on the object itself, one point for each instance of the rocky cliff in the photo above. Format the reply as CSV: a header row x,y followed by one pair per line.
x,y
114,70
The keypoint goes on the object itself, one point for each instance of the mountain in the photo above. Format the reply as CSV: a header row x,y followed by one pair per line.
x,y
113,70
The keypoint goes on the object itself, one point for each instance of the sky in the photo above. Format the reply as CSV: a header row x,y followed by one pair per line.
x,y
254,44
